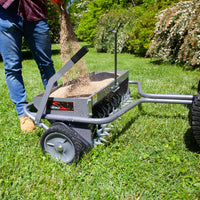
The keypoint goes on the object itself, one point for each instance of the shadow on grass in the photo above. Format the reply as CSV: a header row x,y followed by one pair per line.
x,y
182,65
189,139
159,62
161,115
190,142
117,133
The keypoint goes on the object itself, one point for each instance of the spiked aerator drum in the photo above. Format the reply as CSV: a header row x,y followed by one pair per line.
x,y
80,121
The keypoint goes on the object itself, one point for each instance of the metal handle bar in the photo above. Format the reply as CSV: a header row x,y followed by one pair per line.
x,y
54,78
161,96
102,120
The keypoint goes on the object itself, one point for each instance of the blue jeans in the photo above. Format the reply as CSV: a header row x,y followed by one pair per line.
x,y
36,34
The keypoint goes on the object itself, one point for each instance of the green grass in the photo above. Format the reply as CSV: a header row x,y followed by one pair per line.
x,y
151,152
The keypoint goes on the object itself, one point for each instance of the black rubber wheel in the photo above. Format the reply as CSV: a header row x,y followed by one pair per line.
x,y
196,118
198,89
61,143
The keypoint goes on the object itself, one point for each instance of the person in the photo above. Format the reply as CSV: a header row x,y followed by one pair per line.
x,y
18,19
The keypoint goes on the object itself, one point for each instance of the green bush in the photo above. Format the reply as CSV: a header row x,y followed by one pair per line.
x,y
135,25
53,21
177,34
143,24
119,20
87,28
76,10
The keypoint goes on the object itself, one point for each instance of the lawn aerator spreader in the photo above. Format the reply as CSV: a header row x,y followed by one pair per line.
x,y
80,122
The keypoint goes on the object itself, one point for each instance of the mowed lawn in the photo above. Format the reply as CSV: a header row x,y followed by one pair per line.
x,y
150,154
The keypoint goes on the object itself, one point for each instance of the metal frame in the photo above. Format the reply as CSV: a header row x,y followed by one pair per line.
x,y
81,123
51,83
149,98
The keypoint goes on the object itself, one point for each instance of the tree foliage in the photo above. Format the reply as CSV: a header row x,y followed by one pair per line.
x,y
54,23
177,34
118,20
76,10
135,29
87,28
137,23
143,24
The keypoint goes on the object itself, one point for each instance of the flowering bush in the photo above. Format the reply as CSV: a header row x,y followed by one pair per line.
x,y
177,34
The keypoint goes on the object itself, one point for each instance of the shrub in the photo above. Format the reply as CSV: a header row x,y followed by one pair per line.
x,y
177,34
87,28
76,11
53,21
119,20
143,24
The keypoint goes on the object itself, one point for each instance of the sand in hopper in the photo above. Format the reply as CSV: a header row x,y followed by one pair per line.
x,y
84,86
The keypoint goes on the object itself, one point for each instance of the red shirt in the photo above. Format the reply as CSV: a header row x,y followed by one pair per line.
x,y
30,10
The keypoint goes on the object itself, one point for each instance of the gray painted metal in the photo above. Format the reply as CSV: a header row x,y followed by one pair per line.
x,y
106,119
83,105
151,98
53,80
80,118
161,96
80,123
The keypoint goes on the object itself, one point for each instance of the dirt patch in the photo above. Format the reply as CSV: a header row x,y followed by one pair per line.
x,y
84,86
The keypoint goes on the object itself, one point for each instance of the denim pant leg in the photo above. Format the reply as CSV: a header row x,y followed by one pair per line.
x,y
10,48
38,39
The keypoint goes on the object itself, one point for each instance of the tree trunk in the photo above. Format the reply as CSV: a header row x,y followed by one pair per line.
x,y
69,45
133,3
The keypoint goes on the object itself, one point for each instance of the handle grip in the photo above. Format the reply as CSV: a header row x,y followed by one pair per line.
x,y
79,54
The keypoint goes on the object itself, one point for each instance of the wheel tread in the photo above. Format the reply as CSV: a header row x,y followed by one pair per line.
x,y
68,132
195,117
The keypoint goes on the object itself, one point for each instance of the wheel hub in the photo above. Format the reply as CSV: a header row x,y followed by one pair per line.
x,y
60,148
